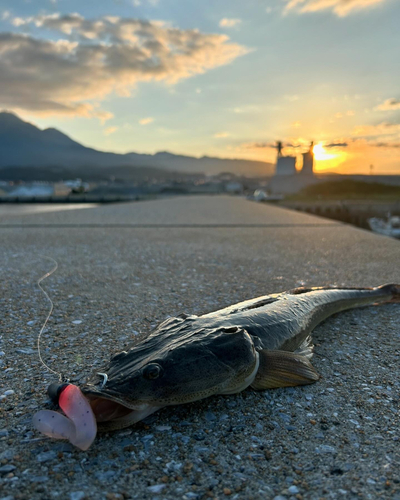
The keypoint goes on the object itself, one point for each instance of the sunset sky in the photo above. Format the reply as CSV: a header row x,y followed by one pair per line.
x,y
218,77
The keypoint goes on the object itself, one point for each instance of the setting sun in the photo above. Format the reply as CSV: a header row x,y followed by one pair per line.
x,y
320,153
327,160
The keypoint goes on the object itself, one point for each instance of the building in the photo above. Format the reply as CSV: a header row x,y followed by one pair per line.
x,y
287,179
308,161
285,165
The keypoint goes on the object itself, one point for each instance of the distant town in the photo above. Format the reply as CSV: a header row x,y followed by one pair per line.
x,y
119,190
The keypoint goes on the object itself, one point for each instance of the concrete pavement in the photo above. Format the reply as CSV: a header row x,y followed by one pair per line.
x,y
122,269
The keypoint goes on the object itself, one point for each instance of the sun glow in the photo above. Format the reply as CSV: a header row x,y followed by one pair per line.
x,y
327,160
320,153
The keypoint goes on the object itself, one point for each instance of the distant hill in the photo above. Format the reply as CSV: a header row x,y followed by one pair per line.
x,y
24,146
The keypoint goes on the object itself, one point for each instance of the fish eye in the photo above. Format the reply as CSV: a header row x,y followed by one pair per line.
x,y
152,371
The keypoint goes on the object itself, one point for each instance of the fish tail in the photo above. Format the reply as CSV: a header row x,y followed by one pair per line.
x,y
392,291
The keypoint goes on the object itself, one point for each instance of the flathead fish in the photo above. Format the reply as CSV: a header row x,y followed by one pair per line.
x,y
261,343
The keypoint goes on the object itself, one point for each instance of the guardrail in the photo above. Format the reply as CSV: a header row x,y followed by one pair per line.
x,y
352,212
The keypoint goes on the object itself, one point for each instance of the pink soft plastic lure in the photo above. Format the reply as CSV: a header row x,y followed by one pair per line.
x,y
79,426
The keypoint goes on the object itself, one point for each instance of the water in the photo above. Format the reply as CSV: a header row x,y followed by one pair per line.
x,y
15,209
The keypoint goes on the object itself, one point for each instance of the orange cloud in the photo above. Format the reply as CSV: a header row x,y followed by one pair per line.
x,y
339,7
389,105
110,130
84,110
146,121
383,128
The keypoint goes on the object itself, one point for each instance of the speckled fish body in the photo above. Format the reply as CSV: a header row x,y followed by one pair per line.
x,y
262,343
283,321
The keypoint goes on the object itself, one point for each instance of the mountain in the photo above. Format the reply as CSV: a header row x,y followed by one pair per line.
x,y
24,146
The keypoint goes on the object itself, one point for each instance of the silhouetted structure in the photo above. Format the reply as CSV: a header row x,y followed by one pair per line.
x,y
279,148
285,165
287,179
308,161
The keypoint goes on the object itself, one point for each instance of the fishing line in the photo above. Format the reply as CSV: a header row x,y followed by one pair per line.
x,y
48,315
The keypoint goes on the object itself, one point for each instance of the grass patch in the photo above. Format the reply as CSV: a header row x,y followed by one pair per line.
x,y
347,189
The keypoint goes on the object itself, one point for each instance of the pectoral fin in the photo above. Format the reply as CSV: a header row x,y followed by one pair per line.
x,y
283,369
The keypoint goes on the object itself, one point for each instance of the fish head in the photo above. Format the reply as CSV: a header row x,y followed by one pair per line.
x,y
169,368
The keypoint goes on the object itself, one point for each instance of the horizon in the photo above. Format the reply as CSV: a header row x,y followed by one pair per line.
x,y
224,81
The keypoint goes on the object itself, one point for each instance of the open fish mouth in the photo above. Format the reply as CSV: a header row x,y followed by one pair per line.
x,y
111,414
84,416
106,410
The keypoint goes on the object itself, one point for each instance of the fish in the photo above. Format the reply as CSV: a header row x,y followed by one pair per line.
x,y
262,343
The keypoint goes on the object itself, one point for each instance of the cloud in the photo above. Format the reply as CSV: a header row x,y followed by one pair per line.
x,y
297,144
388,105
18,21
296,124
395,145
5,15
336,145
110,130
259,145
146,121
91,59
340,7
273,145
229,23
383,128
138,3
50,108
221,135
362,143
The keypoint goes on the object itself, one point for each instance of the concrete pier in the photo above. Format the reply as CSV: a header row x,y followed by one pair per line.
x,y
124,268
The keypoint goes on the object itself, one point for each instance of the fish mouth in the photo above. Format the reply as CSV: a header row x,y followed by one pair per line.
x,y
113,414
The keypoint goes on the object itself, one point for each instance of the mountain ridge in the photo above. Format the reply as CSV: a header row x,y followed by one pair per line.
x,y
23,144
